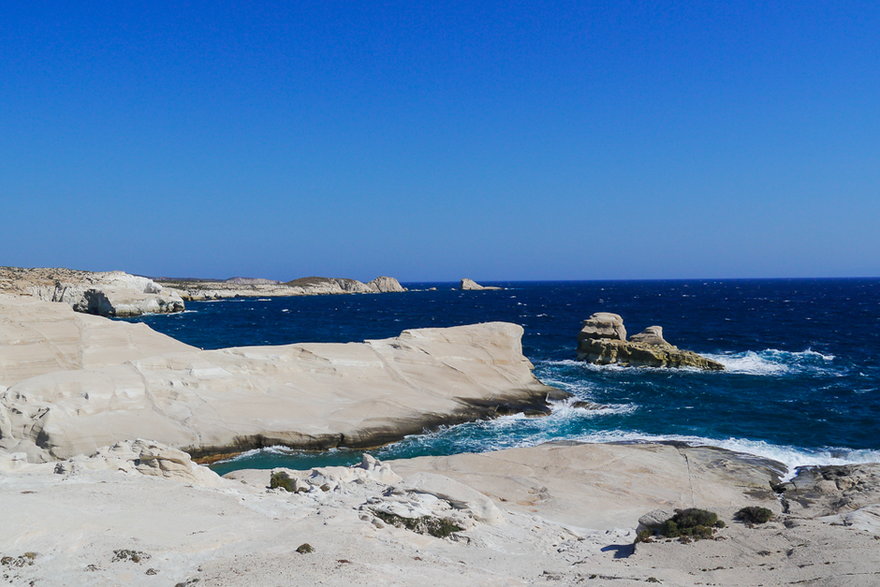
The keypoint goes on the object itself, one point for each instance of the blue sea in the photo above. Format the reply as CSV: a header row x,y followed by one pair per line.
x,y
801,385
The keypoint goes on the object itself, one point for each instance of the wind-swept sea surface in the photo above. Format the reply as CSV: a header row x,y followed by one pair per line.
x,y
802,383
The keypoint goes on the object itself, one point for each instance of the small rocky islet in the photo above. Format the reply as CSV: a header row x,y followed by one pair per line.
x,y
603,341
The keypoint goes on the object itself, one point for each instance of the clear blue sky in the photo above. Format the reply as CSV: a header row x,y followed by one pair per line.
x,y
435,140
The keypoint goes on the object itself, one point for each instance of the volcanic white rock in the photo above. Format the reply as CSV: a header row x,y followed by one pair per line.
x,y
305,395
470,284
109,293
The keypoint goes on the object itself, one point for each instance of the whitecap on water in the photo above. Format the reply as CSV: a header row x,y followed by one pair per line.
x,y
773,362
790,456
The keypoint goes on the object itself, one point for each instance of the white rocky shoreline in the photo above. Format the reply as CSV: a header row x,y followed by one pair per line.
x,y
96,490
119,294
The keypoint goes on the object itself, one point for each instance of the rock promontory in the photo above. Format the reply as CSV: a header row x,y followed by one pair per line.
x,y
205,289
207,402
471,285
602,340
106,293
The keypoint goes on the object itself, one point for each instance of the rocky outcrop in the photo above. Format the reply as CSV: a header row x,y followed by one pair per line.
x,y
555,514
141,456
191,289
110,293
602,340
470,284
383,284
301,395
251,281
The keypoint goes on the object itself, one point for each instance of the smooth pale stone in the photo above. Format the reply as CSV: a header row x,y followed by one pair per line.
x,y
470,284
228,400
106,293
305,286
41,337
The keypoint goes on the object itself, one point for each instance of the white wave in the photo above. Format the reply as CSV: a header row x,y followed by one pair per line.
x,y
790,456
264,299
773,361
274,450
750,363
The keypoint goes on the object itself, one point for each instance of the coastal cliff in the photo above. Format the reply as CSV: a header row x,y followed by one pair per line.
x,y
234,399
120,294
107,293
197,290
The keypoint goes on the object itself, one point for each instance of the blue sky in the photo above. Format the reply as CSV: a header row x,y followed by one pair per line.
x,y
431,141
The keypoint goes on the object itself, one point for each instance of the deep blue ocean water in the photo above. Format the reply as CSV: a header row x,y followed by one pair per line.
x,y
802,383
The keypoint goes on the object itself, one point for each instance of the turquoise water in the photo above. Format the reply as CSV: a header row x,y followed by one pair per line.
x,y
802,383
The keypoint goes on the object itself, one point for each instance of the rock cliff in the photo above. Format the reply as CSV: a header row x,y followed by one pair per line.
x,y
602,340
191,289
301,395
37,338
109,293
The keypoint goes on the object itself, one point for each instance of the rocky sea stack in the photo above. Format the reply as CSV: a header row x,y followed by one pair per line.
x,y
471,285
602,340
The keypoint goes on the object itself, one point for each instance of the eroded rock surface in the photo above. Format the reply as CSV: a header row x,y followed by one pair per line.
x,y
37,338
602,340
471,285
302,395
108,293
192,289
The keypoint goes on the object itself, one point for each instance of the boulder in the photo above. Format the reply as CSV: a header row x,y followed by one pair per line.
x,y
602,341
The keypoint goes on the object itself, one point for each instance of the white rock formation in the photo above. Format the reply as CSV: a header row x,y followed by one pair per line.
x,y
306,395
304,286
384,284
470,284
110,293
37,338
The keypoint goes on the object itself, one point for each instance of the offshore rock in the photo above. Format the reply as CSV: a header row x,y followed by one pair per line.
x,y
470,284
602,341
602,325
108,293
384,284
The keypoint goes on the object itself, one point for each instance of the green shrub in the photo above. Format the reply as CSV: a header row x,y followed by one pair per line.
x,y
282,480
433,526
687,525
753,515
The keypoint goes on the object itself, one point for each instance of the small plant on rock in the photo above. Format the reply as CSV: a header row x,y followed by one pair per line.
x,y
753,515
433,526
687,525
282,480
